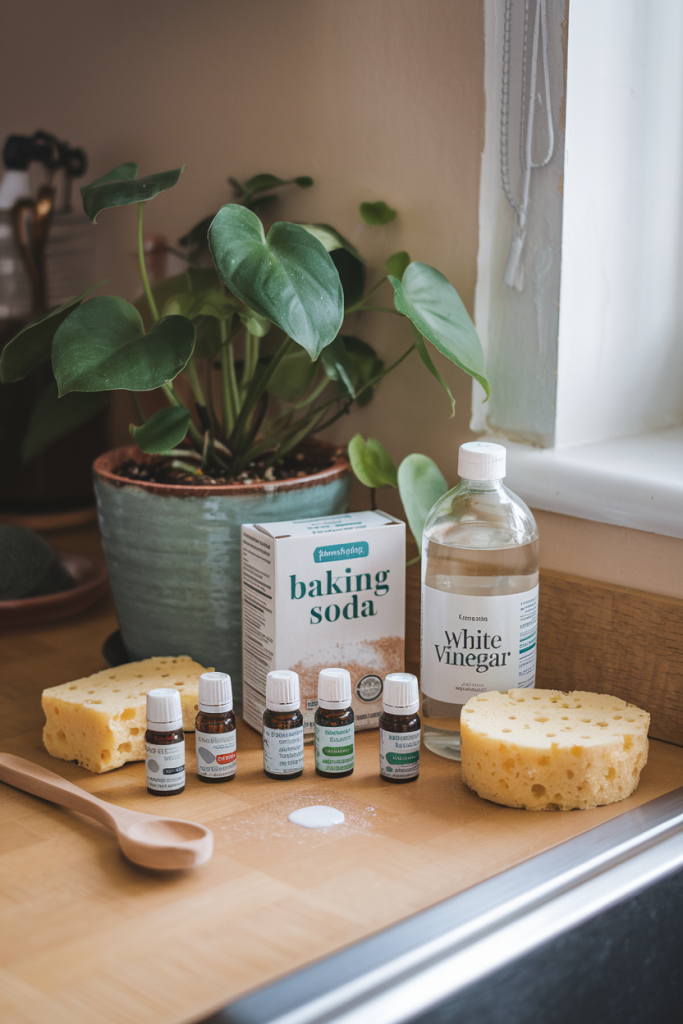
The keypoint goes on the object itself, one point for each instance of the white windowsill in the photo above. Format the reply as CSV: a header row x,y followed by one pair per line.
x,y
632,481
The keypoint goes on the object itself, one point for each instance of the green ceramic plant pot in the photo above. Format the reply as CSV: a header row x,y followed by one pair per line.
x,y
173,553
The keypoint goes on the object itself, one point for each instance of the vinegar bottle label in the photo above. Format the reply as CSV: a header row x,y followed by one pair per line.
x,y
474,644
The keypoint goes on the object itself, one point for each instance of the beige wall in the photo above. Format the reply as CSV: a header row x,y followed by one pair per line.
x,y
376,99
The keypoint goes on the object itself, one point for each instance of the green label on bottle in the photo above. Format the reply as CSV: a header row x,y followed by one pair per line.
x,y
334,748
403,758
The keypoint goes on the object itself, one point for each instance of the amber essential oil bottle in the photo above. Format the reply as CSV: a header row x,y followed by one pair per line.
x,y
283,726
399,729
334,728
215,737
164,743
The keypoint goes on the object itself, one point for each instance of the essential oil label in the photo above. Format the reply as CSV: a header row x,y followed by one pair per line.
x,y
165,766
283,750
474,644
334,748
216,754
399,754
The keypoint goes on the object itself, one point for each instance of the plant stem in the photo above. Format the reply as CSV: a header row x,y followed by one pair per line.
x,y
193,377
257,387
143,269
229,413
246,366
138,407
356,307
232,377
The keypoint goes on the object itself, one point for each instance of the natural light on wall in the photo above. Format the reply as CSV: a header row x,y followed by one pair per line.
x,y
597,297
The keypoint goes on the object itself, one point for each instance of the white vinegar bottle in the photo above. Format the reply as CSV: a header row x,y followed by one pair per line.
x,y
479,594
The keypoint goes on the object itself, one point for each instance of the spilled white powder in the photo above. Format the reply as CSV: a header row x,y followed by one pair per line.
x,y
318,816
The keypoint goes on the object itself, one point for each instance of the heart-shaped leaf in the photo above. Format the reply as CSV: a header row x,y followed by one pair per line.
x,y
121,188
372,463
332,239
337,366
53,417
377,213
163,431
437,311
364,366
33,344
427,360
294,376
287,277
103,347
397,264
420,484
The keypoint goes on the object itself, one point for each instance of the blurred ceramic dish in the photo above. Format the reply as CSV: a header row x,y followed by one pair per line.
x,y
91,584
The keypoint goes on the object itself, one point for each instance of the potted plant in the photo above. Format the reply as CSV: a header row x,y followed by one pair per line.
x,y
250,358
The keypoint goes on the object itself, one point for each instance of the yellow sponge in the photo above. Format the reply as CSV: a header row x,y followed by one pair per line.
x,y
100,721
546,750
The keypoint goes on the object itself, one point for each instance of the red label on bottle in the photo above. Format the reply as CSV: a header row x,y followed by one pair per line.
x,y
226,758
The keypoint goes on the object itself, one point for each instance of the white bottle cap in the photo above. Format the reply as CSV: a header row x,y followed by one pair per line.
x,y
164,711
215,693
481,460
401,694
282,690
334,689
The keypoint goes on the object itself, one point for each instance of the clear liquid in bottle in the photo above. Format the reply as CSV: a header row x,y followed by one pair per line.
x,y
479,595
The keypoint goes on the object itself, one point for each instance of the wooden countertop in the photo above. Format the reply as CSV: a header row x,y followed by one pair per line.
x,y
86,935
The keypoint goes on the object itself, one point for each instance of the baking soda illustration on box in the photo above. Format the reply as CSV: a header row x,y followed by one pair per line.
x,y
321,593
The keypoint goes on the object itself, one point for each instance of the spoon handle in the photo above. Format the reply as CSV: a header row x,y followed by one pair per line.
x,y
32,778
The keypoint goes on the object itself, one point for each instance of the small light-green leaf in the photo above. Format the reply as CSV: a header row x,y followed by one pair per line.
x,y
53,418
432,304
102,346
33,344
121,188
288,277
397,264
377,213
420,484
163,431
372,463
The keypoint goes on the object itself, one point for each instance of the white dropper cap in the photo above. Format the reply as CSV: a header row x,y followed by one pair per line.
x,y
401,694
215,693
334,689
282,690
164,711
481,460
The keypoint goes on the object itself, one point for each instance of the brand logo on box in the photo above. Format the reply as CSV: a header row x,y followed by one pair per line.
x,y
337,552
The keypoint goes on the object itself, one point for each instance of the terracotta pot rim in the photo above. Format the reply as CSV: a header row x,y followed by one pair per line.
x,y
103,469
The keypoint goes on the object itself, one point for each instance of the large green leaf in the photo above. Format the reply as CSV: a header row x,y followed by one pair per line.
x,y
33,344
103,347
351,274
121,188
420,484
364,364
377,213
372,463
293,376
163,431
287,277
337,366
427,360
433,305
53,417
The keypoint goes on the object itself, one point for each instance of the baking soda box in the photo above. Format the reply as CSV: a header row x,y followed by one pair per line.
x,y
322,593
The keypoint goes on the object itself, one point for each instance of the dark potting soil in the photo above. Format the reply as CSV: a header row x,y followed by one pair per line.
x,y
162,470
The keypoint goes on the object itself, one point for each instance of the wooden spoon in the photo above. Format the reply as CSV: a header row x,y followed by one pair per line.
x,y
153,842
